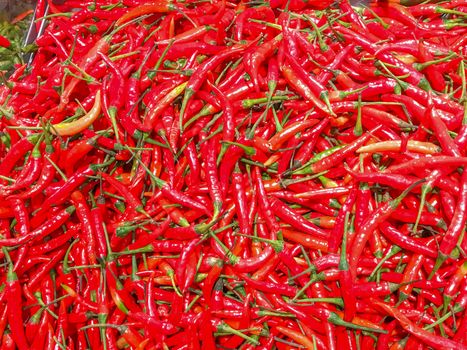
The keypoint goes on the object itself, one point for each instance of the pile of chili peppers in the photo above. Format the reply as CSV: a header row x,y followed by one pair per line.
x,y
237,175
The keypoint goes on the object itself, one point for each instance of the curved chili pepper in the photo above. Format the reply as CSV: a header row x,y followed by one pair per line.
x,y
76,126
405,241
101,45
370,224
16,152
304,90
42,231
254,58
198,77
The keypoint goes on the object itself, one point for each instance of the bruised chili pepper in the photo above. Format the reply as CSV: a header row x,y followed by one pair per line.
x,y
412,244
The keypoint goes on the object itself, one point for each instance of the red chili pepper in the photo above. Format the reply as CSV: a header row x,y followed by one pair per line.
x,y
84,215
303,129
304,90
209,155
334,158
42,231
457,225
199,76
64,190
101,45
425,336
271,287
16,152
14,305
254,58
45,268
424,162
4,42
370,224
297,221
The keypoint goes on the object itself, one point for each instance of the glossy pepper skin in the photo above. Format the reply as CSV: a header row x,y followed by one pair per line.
x,y
234,174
